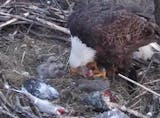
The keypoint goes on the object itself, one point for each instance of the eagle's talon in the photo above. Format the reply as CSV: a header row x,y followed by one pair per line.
x,y
96,72
100,74
91,70
74,71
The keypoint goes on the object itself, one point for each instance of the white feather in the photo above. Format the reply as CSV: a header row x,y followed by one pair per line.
x,y
80,54
155,46
146,52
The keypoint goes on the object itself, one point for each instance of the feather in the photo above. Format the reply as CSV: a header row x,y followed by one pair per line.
x,y
80,53
146,52
114,31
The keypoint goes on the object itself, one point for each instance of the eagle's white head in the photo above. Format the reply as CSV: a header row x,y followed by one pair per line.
x,y
80,54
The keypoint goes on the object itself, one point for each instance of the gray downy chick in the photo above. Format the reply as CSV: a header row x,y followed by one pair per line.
x,y
42,70
55,67
52,68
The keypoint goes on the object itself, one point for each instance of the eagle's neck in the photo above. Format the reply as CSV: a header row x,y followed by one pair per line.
x,y
80,54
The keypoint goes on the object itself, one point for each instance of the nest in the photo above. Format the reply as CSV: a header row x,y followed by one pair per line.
x,y
33,30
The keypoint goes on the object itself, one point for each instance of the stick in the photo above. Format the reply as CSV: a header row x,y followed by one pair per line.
x,y
153,81
7,2
123,108
41,22
12,20
8,113
53,25
136,83
50,36
18,16
22,59
8,22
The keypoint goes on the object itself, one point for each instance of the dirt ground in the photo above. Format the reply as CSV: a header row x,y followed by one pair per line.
x,y
21,51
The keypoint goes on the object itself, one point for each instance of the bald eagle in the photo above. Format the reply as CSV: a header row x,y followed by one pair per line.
x,y
108,34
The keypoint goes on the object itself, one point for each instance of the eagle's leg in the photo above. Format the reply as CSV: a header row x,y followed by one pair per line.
x,y
96,72
100,74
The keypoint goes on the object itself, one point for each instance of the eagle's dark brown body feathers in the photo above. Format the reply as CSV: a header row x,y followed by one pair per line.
x,y
115,32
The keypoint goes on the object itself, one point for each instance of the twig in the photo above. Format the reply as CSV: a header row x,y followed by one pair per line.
x,y
139,95
53,25
18,16
19,108
136,102
136,83
25,112
8,105
8,113
60,8
37,9
149,66
8,22
22,59
123,108
4,100
58,58
40,21
4,18
12,20
50,36
153,81
7,2
29,28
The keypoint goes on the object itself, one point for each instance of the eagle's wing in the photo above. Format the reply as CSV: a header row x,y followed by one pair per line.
x,y
92,23
114,31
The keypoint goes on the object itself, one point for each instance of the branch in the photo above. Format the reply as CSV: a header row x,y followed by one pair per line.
x,y
50,36
140,85
39,21
12,20
7,2
53,25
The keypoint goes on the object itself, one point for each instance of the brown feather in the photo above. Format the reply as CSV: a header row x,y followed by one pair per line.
x,y
114,31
